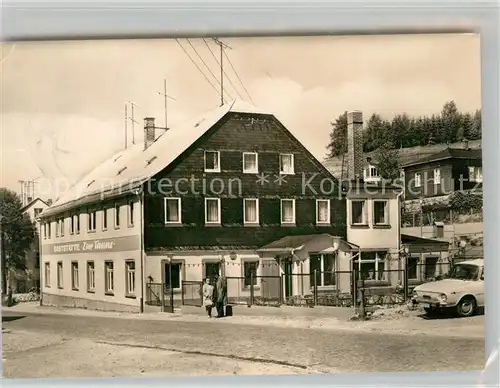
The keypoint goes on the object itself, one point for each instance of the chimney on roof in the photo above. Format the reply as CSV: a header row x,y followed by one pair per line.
x,y
149,131
30,199
355,145
49,202
465,143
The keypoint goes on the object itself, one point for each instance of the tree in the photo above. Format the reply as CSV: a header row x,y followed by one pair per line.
x,y
18,233
476,129
374,129
338,136
451,121
387,158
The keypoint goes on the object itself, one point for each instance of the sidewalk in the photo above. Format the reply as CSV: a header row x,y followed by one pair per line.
x,y
291,317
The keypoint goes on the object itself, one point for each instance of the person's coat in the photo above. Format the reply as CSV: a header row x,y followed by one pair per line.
x,y
221,290
208,294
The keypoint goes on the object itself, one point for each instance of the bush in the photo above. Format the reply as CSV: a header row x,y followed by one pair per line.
x,y
26,297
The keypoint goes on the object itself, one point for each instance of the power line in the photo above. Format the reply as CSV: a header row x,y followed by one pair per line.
x,y
201,71
235,72
208,68
219,64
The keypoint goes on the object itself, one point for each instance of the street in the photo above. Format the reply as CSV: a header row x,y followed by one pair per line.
x,y
51,345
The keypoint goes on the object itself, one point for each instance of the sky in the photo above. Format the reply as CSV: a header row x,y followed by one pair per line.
x,y
63,103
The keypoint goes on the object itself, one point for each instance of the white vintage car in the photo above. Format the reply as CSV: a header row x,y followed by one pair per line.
x,y
462,290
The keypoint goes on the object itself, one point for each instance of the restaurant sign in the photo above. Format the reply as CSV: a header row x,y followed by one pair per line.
x,y
118,244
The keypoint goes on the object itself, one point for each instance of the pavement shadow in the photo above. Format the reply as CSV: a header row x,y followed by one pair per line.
x,y
9,318
448,315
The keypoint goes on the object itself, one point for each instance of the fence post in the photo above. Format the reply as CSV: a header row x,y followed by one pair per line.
x,y
361,291
281,290
405,272
182,292
251,288
315,289
163,298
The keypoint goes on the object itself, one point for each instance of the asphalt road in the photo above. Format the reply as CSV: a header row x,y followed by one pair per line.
x,y
319,350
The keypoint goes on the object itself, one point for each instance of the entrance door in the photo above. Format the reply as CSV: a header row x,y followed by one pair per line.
x,y
287,268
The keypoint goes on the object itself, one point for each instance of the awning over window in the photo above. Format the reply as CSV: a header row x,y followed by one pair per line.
x,y
424,245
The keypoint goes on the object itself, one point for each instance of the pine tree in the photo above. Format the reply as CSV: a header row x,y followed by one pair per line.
x,y
338,136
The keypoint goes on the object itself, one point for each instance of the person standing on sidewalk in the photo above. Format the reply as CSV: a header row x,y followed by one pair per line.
x,y
208,294
220,295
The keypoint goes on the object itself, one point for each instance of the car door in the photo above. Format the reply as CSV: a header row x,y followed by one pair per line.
x,y
477,289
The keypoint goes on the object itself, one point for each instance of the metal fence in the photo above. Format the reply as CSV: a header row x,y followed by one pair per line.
x,y
192,293
254,290
159,294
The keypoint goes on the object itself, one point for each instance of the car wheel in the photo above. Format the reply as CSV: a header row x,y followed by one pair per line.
x,y
466,307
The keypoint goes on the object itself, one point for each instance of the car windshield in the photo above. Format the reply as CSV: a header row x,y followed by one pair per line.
x,y
464,272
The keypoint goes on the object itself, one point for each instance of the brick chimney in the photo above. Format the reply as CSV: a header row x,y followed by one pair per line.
x,y
49,202
354,145
149,131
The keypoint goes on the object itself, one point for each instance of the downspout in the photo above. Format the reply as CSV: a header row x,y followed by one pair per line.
x,y
400,241
141,206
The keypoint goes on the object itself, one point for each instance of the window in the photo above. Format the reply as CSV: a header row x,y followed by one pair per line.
x,y
211,269
212,161
72,225
90,276
250,162
380,213
117,216
173,275
322,211
323,267
286,164
250,273
418,179
371,266
371,172
172,210
109,280
77,223
288,211
250,211
60,227
49,229
131,213
437,176
130,280
45,229
430,267
413,268
91,220
358,212
104,219
47,274
212,210
74,276
60,274
475,174
38,210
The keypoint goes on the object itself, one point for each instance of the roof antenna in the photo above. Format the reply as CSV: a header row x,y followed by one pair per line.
x,y
132,119
166,97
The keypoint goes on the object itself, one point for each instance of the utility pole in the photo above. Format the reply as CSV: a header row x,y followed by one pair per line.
x,y
132,119
166,97
222,46
126,129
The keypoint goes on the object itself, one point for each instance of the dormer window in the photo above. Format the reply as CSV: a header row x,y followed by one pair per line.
x,y
212,161
371,173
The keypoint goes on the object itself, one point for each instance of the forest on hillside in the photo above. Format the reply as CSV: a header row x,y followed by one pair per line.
x,y
449,126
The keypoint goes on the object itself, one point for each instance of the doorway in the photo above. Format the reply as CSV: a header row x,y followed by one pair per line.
x,y
287,273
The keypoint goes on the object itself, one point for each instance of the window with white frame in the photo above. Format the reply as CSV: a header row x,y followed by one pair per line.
x,y
130,280
77,223
109,277
49,229
91,220
212,161
437,176
72,224
90,276
45,228
212,211
60,274
172,210
418,179
358,212
250,162
371,172
371,266
75,283
131,213
322,270
47,274
251,210
288,211
380,212
61,226
286,164
475,174
250,272
117,215
323,211
104,218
